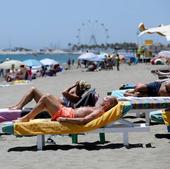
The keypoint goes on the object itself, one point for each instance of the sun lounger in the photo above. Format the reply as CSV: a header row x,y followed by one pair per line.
x,y
162,73
9,115
110,121
143,104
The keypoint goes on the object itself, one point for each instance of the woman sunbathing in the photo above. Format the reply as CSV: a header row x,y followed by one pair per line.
x,y
60,113
72,95
157,88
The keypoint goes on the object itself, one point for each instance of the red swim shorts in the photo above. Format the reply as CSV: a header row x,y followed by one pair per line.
x,y
63,112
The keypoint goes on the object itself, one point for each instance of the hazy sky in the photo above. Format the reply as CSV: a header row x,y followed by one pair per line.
x,y
49,23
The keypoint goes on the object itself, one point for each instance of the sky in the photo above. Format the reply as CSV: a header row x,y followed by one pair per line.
x,y
55,23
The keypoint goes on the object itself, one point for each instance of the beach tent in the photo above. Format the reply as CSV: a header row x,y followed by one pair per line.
x,y
48,61
33,63
163,30
7,64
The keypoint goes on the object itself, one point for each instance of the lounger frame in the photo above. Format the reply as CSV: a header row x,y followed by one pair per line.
x,y
123,127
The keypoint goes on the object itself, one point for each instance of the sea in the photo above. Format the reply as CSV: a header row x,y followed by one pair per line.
x,y
60,58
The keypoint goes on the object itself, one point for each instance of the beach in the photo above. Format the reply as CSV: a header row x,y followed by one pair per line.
x,y
147,150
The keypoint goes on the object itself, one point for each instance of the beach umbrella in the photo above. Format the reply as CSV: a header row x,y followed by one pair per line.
x,y
164,54
9,63
33,63
48,62
97,58
88,56
163,30
102,56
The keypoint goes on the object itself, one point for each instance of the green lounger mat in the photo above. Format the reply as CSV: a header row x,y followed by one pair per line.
x,y
157,116
8,128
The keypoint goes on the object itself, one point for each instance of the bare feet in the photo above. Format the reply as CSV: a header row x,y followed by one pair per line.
x,y
129,93
15,107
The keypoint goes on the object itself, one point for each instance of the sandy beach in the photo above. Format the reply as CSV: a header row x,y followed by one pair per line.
x,y
147,150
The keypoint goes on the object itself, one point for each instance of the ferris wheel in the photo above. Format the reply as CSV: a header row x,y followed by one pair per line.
x,y
92,33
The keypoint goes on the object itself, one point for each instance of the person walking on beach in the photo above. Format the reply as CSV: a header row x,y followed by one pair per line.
x,y
117,61
78,63
60,113
69,63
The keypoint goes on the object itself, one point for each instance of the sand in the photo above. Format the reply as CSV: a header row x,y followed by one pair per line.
x,y
147,150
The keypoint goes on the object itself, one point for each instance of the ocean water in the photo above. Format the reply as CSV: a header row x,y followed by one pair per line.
x,y
61,58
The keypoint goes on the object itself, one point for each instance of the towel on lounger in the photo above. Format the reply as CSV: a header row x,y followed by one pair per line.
x,y
46,126
166,117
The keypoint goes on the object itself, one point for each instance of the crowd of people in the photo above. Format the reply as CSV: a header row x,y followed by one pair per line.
x,y
63,109
17,74
28,73
107,63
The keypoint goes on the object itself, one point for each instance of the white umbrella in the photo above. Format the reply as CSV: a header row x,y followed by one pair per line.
x,y
163,30
33,63
103,56
48,61
8,64
98,58
88,56
165,54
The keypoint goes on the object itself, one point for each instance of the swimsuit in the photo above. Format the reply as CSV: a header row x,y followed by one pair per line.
x,y
153,88
63,112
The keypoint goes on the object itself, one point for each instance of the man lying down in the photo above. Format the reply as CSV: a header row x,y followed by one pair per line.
x,y
153,89
59,112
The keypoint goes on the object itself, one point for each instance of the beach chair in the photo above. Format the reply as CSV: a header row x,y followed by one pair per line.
x,y
162,73
9,115
88,99
110,121
143,104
